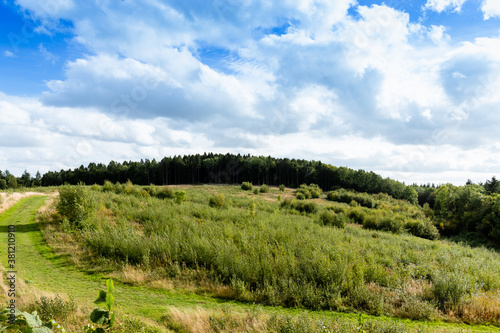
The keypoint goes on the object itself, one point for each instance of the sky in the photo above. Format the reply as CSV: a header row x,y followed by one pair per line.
x,y
407,89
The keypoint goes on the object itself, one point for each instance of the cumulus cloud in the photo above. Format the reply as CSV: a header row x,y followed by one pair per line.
x,y
297,78
490,8
443,5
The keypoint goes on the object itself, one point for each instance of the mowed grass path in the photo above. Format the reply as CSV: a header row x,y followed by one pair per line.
x,y
39,266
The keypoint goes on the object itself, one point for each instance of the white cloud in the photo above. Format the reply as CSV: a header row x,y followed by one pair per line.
x,y
8,54
296,78
46,54
491,8
442,5
438,36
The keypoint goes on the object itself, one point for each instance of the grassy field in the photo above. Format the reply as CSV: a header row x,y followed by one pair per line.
x,y
220,259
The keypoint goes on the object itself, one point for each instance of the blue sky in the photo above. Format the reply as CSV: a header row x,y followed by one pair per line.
x,y
408,89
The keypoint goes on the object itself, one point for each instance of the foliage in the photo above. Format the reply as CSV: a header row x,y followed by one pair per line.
x,y
286,253
229,169
24,322
308,191
217,201
74,203
332,219
104,320
50,308
300,206
180,196
345,196
282,188
264,189
246,186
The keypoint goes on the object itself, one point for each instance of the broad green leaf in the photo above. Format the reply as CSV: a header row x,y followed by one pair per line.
x,y
99,316
110,286
110,300
33,320
41,330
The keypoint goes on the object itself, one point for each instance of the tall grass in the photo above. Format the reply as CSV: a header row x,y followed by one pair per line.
x,y
264,253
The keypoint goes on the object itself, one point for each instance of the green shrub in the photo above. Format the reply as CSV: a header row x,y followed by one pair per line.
x,y
165,193
3,184
246,186
282,188
108,186
74,203
118,188
256,191
301,206
300,196
217,201
422,228
180,196
264,189
329,218
50,308
128,188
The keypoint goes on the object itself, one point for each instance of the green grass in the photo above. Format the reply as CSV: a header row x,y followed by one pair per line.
x,y
46,270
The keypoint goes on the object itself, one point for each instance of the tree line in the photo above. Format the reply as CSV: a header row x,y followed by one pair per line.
x,y
219,169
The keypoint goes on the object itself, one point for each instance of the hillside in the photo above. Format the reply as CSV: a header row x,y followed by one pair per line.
x,y
265,247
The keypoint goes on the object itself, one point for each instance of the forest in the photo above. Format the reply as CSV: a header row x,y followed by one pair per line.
x,y
468,213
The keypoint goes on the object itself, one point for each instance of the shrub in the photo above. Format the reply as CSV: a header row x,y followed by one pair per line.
x,y
180,196
128,187
264,189
217,201
301,206
74,203
329,218
108,186
282,188
118,188
300,196
3,184
256,191
351,198
246,186
165,193
422,228
54,307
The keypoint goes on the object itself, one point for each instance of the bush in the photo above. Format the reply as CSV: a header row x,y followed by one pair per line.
x,y
217,201
165,193
348,197
301,206
264,189
256,191
282,188
108,186
422,228
300,196
246,186
180,196
74,203
54,307
329,218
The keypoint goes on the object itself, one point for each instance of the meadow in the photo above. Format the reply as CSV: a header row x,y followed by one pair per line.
x,y
268,248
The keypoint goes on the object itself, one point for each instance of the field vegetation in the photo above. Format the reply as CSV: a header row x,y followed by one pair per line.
x,y
319,254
